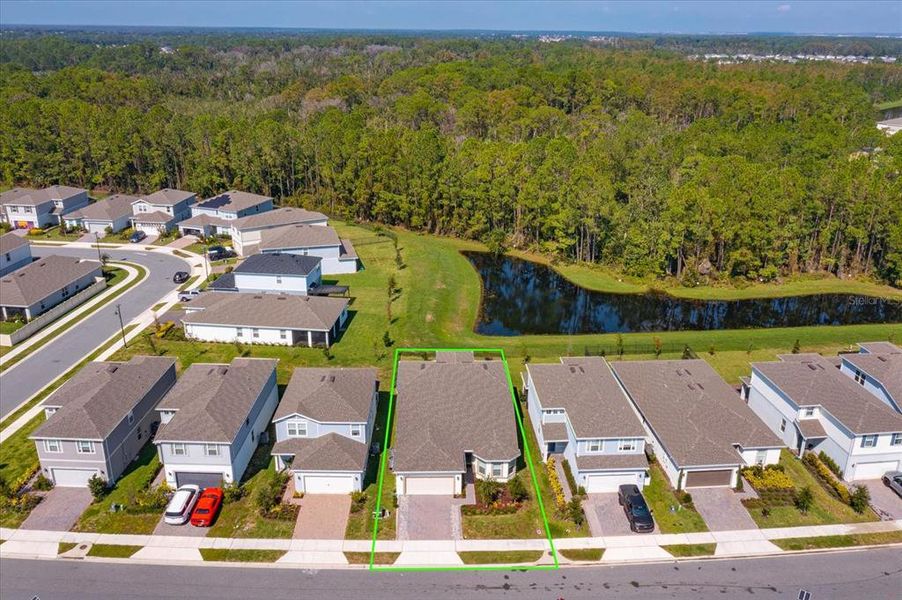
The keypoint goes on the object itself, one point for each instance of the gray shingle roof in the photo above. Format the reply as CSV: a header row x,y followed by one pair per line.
x,y
329,395
279,264
10,241
214,400
880,348
554,432
810,380
97,398
695,414
111,208
601,462
298,236
330,452
32,197
168,197
234,201
13,195
204,220
283,311
32,283
154,216
885,367
280,216
586,389
812,428
445,409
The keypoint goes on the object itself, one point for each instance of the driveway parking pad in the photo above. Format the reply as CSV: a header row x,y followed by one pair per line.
x,y
59,510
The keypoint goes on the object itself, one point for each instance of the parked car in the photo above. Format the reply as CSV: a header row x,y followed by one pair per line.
x,y
218,252
178,511
180,277
636,509
207,506
137,237
893,479
188,295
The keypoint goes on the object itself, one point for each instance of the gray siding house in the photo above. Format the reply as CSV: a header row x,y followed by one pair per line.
x,y
248,231
27,208
877,368
98,421
214,215
41,285
15,252
338,255
278,273
113,213
158,213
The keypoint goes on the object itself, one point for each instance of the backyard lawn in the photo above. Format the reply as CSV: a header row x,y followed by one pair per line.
x,y
660,498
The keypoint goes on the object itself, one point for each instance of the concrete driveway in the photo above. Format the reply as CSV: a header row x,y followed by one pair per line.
x,y
605,515
59,510
186,530
721,509
322,517
887,504
428,518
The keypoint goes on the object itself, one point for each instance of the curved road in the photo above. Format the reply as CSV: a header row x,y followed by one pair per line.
x,y
37,370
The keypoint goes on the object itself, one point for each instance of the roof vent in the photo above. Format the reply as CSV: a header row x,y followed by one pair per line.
x,y
881,358
573,369
112,368
811,366
582,370
688,372
258,297
331,378
222,370
700,386
691,386
322,378
485,367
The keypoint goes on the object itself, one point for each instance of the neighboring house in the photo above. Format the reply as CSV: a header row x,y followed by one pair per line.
x,y
26,208
324,426
812,406
312,240
877,367
247,231
113,214
700,430
579,412
282,319
214,215
454,421
9,197
158,213
15,252
278,273
212,420
98,421
41,285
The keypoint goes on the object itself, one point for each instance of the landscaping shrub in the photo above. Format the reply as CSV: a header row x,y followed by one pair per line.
x,y
568,473
163,329
826,478
830,463
42,484
21,503
860,498
575,510
98,487
488,491
685,499
517,489
491,509
269,493
149,500
358,501
804,499
556,487
773,486
5,490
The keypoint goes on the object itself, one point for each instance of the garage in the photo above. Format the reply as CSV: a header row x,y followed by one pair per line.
x,y
203,480
602,483
722,477
429,486
328,484
875,470
95,227
72,477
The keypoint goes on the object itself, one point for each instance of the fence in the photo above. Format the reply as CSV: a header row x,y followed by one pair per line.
x,y
38,323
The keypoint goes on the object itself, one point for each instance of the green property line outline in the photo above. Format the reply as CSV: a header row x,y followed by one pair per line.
x,y
528,458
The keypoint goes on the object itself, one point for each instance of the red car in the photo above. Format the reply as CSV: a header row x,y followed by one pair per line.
x,y
206,508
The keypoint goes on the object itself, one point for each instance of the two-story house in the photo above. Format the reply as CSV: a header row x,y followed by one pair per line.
x,y
98,421
579,412
338,255
37,287
273,273
247,231
212,420
214,215
113,214
878,368
15,252
324,427
26,208
157,213
812,406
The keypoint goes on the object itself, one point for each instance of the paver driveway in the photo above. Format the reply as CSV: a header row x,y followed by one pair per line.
x,y
605,515
186,530
59,510
322,517
428,518
721,509
885,500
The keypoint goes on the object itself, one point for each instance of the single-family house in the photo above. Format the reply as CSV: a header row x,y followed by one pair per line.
x,y
812,406
278,273
212,420
98,421
338,255
579,413
324,427
699,428
158,212
37,287
281,319
214,215
27,208
878,368
112,214
247,231
15,252
454,421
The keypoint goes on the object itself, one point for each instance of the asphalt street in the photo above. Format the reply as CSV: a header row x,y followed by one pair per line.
x,y
33,373
873,573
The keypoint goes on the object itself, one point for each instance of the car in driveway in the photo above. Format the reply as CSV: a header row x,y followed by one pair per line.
x,y
893,480
207,506
178,511
180,277
137,237
218,253
188,295
636,509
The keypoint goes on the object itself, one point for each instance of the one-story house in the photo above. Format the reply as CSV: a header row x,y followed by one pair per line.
x,y
699,428
212,420
338,255
279,273
37,287
878,368
579,413
15,252
98,421
247,231
214,216
324,427
281,319
111,214
454,421
157,213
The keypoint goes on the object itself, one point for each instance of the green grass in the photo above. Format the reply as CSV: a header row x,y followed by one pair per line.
x,y
583,554
660,497
225,555
54,234
167,238
198,247
826,510
360,523
684,550
889,104
188,283
18,454
157,306
7,327
509,557
112,551
379,558
64,547
840,541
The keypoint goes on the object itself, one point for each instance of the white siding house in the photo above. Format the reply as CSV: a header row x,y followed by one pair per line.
x,y
15,252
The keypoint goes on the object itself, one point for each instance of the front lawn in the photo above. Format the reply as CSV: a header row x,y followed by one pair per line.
x,y
670,516
509,557
7,327
112,551
380,558
840,541
583,554
360,523
226,555
684,550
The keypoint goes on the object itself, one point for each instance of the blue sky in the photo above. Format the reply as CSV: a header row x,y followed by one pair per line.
x,y
814,16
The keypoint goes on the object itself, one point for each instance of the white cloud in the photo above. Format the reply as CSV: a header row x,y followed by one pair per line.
x,y
784,8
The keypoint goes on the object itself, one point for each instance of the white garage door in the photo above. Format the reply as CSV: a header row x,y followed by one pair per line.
x,y
430,486
99,228
322,484
72,477
609,482
875,470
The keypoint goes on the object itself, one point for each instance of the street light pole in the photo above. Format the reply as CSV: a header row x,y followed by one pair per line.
x,y
97,243
206,263
121,327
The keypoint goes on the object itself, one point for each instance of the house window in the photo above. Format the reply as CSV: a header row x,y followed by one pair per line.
x,y
283,334
896,440
356,430
131,417
626,446
497,470
84,446
480,468
211,449
869,441
239,332
859,377
297,428
594,446
178,449
278,279
809,412
52,446
255,332
782,424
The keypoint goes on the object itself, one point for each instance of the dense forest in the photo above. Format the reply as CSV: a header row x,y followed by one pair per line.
x,y
634,157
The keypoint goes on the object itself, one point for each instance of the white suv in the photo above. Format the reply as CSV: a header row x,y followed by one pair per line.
x,y
178,511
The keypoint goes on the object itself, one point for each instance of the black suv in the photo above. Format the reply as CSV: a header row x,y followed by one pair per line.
x,y
217,253
636,509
